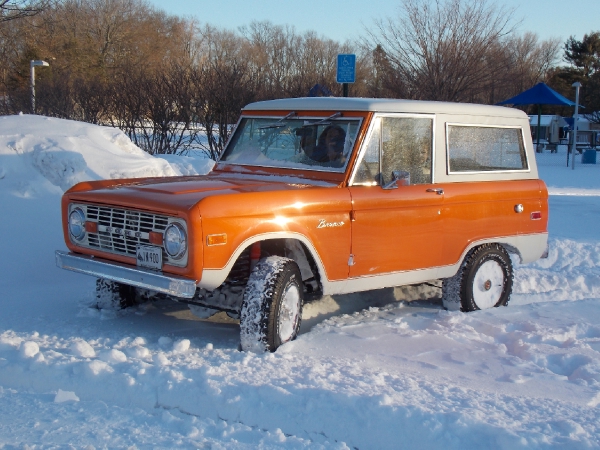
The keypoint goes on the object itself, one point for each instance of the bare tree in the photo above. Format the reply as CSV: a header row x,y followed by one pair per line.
x,y
169,95
17,9
222,85
171,85
154,108
55,96
438,48
91,99
287,64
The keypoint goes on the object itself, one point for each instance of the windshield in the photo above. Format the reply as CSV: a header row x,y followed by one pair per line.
x,y
316,144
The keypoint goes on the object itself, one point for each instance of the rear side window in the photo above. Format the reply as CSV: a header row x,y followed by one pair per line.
x,y
485,149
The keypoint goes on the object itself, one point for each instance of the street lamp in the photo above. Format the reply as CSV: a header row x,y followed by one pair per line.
x,y
576,85
32,64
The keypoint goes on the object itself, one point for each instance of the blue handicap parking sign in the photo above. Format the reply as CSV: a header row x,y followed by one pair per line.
x,y
346,68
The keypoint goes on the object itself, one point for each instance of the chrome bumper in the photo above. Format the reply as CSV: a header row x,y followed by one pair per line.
x,y
126,274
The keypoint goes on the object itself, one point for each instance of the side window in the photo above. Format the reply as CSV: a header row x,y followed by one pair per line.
x,y
481,149
406,147
398,144
369,170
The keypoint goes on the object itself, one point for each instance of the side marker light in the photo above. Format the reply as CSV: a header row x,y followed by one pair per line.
x,y
216,239
536,215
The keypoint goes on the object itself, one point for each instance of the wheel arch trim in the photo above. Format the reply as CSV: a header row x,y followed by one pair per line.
x,y
213,278
529,248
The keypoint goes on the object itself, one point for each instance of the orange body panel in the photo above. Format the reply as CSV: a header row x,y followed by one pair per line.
x,y
395,230
298,211
412,228
476,211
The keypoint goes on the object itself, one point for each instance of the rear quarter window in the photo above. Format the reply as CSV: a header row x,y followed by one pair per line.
x,y
485,149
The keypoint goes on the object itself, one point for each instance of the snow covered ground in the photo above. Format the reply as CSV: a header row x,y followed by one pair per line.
x,y
369,371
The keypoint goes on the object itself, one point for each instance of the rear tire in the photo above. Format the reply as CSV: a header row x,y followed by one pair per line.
x,y
484,280
271,310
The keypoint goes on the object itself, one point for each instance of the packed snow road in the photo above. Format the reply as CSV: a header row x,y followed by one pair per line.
x,y
385,369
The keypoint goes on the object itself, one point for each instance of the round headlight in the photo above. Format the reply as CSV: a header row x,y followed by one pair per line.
x,y
175,241
77,224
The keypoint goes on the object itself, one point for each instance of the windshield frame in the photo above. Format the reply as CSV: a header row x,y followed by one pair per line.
x,y
313,116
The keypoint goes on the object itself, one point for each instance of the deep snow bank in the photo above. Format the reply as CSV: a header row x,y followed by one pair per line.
x,y
39,152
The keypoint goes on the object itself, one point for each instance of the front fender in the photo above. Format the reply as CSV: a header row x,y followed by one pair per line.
x,y
317,217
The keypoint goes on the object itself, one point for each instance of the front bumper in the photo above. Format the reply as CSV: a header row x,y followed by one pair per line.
x,y
126,274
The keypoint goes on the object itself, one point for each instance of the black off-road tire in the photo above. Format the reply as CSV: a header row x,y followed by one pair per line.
x,y
484,280
271,310
113,295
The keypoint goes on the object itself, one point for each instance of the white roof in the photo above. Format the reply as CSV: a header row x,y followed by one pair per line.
x,y
382,105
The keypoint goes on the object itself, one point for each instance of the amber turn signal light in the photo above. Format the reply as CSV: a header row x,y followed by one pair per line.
x,y
216,239
91,227
155,238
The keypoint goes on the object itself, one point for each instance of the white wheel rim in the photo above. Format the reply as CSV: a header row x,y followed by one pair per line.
x,y
288,312
488,284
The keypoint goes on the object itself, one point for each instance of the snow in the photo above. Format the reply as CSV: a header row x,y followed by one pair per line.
x,y
65,396
382,369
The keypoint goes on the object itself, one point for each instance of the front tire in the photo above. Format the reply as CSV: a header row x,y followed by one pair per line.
x,y
484,280
113,295
271,309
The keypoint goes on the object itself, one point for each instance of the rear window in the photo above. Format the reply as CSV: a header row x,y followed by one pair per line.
x,y
485,149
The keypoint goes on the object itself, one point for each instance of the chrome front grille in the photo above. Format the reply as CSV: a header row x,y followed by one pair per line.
x,y
121,230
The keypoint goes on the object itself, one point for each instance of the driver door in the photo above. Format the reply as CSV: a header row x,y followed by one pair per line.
x,y
397,225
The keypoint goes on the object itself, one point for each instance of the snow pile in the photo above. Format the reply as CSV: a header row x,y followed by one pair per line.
x,y
186,165
38,152
368,371
569,273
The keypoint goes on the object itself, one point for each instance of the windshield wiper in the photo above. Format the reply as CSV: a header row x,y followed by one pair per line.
x,y
323,121
278,124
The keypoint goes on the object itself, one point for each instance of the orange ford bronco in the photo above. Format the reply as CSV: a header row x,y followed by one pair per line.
x,y
316,196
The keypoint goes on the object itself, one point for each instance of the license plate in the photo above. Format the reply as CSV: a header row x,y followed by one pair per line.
x,y
149,256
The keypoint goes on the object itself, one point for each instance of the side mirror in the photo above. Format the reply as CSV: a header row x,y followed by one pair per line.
x,y
399,177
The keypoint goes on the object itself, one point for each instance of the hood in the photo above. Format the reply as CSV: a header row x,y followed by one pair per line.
x,y
173,194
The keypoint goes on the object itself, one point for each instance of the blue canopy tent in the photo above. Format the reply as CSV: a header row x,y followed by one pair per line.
x,y
539,95
318,90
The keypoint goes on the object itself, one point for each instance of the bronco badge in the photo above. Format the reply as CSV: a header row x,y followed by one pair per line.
x,y
324,224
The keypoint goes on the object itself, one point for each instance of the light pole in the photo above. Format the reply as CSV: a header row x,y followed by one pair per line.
x,y
32,64
576,85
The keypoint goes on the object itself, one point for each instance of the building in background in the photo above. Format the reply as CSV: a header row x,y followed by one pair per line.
x,y
553,128
556,130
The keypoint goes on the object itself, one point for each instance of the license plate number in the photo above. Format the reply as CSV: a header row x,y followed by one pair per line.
x,y
149,257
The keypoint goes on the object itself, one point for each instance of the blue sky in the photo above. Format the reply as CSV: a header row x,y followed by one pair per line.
x,y
342,20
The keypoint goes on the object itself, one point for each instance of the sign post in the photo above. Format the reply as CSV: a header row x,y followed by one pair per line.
x,y
346,70
32,65
576,85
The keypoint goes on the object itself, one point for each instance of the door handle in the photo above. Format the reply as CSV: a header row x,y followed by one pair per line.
x,y
438,191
